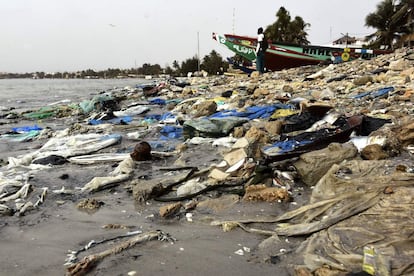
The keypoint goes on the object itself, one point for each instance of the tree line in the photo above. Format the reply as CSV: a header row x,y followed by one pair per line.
x,y
212,63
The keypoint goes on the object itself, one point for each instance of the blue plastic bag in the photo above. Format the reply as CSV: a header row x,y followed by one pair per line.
x,y
26,128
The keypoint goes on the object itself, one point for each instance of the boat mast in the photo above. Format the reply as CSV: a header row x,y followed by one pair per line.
x,y
234,16
198,51
330,34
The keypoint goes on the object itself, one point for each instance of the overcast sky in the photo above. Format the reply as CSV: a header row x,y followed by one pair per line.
x,y
72,35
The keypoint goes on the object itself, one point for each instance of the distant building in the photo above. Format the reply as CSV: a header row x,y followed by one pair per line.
x,y
352,41
346,39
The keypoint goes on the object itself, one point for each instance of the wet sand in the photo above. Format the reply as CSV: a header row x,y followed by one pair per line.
x,y
37,242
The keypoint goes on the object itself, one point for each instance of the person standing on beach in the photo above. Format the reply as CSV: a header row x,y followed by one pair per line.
x,y
260,51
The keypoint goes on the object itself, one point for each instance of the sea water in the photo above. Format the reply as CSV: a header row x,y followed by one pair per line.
x,y
31,94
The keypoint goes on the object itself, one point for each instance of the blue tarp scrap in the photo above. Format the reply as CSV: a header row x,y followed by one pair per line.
x,y
252,112
374,94
156,144
115,121
26,128
381,92
160,117
158,101
156,117
167,115
287,146
171,132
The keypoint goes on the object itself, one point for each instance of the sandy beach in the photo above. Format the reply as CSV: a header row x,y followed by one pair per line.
x,y
37,243
260,202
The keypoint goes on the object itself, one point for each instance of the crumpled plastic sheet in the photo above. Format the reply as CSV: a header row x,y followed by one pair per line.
x,y
252,112
115,121
358,203
67,147
214,127
90,105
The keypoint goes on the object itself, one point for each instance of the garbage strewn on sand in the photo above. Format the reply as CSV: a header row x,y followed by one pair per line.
x,y
344,133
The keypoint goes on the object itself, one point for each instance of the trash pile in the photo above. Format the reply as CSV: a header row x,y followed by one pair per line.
x,y
342,132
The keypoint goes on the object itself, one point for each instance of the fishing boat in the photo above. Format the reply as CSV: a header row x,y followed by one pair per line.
x,y
281,56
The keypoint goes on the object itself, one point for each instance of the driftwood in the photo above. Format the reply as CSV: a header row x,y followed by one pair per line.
x,y
104,182
238,183
121,173
147,189
230,225
83,266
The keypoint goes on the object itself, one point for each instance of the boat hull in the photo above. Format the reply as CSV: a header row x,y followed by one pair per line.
x,y
275,61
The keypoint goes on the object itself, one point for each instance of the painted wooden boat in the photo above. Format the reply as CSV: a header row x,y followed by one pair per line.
x,y
281,56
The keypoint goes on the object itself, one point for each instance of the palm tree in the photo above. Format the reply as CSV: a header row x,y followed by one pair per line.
x,y
213,63
286,30
393,21
403,17
381,20
176,67
297,29
278,30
